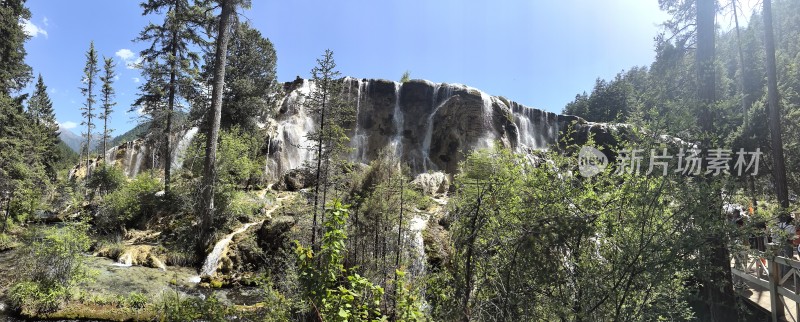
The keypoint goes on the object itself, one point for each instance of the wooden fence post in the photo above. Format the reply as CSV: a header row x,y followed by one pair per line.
x,y
776,300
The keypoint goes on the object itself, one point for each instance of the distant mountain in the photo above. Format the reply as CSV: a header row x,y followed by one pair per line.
x,y
72,140
75,141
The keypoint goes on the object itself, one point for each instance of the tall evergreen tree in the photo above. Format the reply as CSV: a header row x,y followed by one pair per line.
x,y
14,73
214,116
774,109
107,93
251,77
90,72
330,139
171,48
45,130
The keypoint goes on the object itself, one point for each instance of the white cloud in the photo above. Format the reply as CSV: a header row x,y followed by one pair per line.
x,y
46,21
116,78
136,80
32,30
68,125
129,57
125,54
53,90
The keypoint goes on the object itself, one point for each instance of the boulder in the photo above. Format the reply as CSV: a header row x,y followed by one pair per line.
x,y
296,180
273,234
432,183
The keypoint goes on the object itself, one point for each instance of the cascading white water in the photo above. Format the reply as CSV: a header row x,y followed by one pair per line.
x,y
397,120
416,227
426,141
536,130
130,158
111,155
212,261
292,133
137,163
125,260
372,99
359,141
487,140
179,154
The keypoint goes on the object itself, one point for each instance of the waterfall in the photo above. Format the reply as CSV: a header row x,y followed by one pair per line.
x,y
536,129
380,121
487,141
397,120
359,141
111,154
127,163
291,134
179,154
140,154
426,141
416,227
212,261
125,260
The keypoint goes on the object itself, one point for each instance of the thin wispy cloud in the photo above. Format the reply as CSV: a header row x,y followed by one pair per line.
x,y
136,80
129,57
32,29
68,125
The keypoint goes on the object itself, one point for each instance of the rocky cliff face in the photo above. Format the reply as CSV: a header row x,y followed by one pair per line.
x,y
431,127
140,155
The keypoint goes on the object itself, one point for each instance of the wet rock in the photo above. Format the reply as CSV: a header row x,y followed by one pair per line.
x,y
437,246
432,183
134,255
273,234
296,179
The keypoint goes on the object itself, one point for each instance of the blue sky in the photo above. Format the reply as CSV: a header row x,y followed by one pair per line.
x,y
538,53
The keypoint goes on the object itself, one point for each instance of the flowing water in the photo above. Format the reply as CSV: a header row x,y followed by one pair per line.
x,y
179,154
211,264
398,122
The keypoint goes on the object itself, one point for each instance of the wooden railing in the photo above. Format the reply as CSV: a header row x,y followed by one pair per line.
x,y
779,275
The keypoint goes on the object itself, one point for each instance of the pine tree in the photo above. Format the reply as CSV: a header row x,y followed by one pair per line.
x,y
14,73
170,48
45,128
330,140
90,72
251,78
107,93
214,116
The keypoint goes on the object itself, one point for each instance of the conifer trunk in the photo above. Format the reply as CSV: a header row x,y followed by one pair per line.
x,y
214,117
774,109
718,289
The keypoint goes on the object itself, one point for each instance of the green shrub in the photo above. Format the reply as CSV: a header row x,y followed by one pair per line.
x,y
355,300
131,205
106,179
54,262
238,162
137,300
174,307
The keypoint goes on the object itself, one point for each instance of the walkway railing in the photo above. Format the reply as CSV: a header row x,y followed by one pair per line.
x,y
779,275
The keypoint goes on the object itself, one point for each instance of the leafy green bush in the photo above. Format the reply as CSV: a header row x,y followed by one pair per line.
x,y
173,307
54,263
238,162
106,179
336,294
131,205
